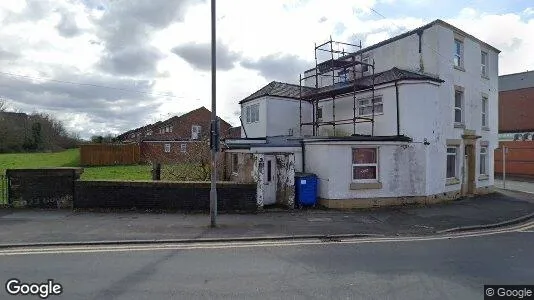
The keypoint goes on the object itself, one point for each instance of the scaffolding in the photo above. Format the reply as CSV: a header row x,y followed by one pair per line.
x,y
350,72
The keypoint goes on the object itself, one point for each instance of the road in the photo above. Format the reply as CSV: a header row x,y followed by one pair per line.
x,y
421,268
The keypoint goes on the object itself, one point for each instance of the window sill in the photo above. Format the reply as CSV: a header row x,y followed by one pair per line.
x,y
484,77
452,181
365,185
459,125
483,177
486,128
459,68
370,115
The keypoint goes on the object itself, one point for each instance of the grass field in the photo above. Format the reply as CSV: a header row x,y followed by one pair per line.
x,y
71,158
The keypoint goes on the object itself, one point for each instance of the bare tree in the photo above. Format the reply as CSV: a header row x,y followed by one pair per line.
x,y
3,105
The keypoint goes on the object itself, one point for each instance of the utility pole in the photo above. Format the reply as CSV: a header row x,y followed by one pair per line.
x,y
214,138
504,150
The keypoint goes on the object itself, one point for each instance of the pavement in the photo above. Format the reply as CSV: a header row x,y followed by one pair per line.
x,y
518,184
27,227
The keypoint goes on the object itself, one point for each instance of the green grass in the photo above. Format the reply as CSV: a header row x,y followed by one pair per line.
x,y
71,158
67,158
133,172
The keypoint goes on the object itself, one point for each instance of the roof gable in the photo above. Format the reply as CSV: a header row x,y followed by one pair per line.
x,y
278,89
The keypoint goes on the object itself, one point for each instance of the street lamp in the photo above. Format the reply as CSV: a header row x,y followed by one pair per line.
x,y
214,134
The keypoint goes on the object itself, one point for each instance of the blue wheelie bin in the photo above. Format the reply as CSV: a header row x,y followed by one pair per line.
x,y
305,189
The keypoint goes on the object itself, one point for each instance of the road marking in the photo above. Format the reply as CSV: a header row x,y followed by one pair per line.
x,y
233,245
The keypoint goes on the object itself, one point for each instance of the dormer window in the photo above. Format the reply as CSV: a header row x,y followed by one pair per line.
x,y
252,113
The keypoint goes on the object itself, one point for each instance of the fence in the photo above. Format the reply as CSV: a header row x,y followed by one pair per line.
x,y
519,158
3,190
109,154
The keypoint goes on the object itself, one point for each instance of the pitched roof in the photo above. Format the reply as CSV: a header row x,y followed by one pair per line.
x,y
366,82
278,89
201,109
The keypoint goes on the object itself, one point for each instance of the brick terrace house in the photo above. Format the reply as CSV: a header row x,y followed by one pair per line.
x,y
516,124
178,138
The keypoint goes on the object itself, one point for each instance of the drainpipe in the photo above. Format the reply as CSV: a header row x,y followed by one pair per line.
x,y
421,65
303,156
243,126
397,99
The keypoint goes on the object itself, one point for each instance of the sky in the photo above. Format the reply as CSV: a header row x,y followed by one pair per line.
x,y
108,66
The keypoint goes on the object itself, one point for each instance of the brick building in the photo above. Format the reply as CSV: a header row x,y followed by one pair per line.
x,y
177,139
516,124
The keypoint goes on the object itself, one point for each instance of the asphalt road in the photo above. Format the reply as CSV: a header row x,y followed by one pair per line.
x,y
423,269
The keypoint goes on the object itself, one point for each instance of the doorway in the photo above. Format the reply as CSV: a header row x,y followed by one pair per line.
x,y
470,169
269,197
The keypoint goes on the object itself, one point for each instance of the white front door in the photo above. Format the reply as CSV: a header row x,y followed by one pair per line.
x,y
269,190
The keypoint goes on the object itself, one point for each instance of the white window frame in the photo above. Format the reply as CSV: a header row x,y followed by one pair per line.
x,y
461,107
167,148
379,103
458,56
253,113
456,161
247,114
365,68
376,164
198,130
183,148
343,76
319,109
484,108
484,59
483,152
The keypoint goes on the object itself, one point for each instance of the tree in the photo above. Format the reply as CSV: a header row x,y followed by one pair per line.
x,y
3,105
97,139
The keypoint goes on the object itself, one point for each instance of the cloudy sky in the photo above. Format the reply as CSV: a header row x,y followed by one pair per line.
x,y
106,66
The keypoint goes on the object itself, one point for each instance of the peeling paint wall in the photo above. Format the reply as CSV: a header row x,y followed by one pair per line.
x,y
257,174
401,167
285,185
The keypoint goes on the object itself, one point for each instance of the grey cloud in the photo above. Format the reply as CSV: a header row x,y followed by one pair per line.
x,y
126,26
67,26
280,67
131,61
6,55
34,10
115,109
199,55
323,19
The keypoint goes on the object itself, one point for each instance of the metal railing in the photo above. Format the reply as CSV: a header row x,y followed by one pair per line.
x,y
3,190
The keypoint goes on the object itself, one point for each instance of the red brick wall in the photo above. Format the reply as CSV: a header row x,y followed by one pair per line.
x,y
519,159
516,110
155,151
181,126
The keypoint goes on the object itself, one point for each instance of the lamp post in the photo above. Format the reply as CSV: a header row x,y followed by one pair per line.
x,y
214,138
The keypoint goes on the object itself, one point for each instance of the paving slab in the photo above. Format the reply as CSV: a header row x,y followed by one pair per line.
x,y
48,226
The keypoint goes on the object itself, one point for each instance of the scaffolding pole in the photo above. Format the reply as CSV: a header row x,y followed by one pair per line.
x,y
300,104
339,63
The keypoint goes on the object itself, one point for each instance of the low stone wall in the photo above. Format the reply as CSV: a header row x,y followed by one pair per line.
x,y
42,188
164,195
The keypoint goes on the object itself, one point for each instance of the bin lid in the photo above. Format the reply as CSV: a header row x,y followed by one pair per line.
x,y
300,174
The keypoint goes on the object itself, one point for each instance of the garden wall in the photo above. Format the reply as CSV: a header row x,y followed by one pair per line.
x,y
164,195
42,188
